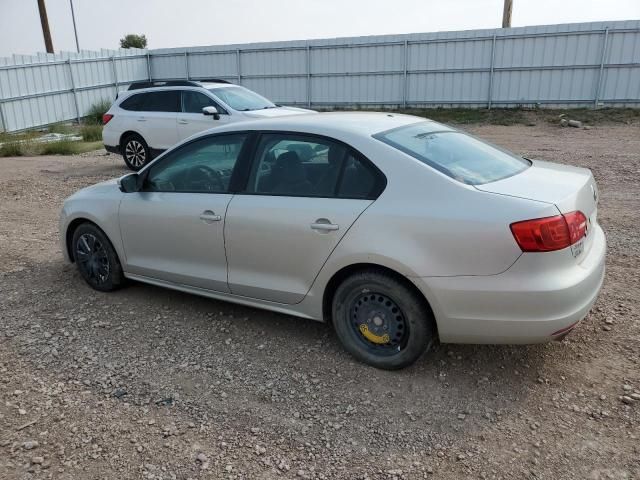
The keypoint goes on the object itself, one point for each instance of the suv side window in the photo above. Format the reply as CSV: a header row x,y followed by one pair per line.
x,y
303,166
202,166
194,102
132,103
161,101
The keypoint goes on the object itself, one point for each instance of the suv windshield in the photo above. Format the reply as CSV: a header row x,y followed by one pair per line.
x,y
458,155
241,99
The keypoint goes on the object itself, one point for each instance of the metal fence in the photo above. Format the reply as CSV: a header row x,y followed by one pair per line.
x,y
585,64
46,88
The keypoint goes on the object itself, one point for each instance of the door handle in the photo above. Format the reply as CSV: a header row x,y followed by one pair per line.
x,y
324,225
142,119
209,217
183,122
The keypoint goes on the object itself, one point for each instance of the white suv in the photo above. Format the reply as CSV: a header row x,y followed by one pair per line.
x,y
151,117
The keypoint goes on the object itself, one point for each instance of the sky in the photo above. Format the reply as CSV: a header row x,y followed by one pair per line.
x,y
178,23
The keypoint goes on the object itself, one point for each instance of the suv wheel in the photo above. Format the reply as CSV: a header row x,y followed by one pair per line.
x,y
135,152
381,321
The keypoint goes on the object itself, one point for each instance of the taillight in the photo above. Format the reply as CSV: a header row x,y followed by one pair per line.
x,y
549,233
106,117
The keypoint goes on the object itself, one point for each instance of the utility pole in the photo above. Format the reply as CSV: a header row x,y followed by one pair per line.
x,y
45,26
75,30
506,14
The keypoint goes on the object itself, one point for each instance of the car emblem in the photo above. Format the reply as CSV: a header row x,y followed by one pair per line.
x,y
595,193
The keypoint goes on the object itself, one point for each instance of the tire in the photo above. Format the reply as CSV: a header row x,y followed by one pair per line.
x,y
399,324
135,152
96,258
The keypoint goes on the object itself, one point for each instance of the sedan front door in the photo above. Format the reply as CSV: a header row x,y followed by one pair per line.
x,y
303,195
173,230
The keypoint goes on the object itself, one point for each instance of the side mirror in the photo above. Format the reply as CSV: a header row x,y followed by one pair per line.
x,y
129,183
213,111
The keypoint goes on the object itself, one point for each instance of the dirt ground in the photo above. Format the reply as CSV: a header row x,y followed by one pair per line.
x,y
150,383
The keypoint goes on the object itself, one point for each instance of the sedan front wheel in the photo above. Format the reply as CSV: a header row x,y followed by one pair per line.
x,y
96,258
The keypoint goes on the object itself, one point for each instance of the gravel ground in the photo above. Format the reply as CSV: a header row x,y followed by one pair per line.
x,y
149,383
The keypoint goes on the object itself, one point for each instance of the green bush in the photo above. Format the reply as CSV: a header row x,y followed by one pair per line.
x,y
91,133
11,149
62,147
94,115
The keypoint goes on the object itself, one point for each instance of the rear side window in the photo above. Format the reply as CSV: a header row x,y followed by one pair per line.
x,y
163,101
296,165
460,156
132,103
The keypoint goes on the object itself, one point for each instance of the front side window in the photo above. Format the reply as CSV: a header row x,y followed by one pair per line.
x,y
202,166
162,101
194,102
296,165
241,99
454,153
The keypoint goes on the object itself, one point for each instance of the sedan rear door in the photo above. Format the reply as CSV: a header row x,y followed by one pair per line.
x,y
303,194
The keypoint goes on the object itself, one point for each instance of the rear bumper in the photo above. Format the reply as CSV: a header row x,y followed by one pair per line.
x,y
537,300
112,149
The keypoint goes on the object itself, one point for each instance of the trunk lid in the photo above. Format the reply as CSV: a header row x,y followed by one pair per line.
x,y
568,188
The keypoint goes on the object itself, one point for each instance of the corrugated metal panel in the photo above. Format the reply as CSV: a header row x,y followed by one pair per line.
x,y
212,65
552,65
40,89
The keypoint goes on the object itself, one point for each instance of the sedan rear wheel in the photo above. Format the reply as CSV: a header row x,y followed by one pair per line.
x,y
381,321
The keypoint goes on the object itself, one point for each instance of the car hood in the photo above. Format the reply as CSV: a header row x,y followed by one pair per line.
x,y
569,188
107,187
277,112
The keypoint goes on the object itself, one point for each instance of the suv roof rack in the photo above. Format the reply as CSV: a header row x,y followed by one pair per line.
x,y
173,83
213,80
162,83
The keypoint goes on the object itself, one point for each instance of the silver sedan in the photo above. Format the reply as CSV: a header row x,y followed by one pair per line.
x,y
397,230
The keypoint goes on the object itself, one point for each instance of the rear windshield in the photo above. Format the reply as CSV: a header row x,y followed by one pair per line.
x,y
456,154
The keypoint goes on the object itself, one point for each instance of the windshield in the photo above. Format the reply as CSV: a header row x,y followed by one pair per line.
x,y
455,154
241,99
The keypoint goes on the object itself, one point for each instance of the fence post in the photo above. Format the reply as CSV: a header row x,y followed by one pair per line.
x,y
73,90
149,65
186,63
238,66
493,56
308,75
405,86
3,122
601,72
115,72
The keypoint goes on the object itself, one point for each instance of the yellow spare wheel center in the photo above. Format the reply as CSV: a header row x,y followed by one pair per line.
x,y
372,337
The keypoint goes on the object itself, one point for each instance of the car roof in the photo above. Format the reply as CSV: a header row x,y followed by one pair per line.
x,y
330,123
217,85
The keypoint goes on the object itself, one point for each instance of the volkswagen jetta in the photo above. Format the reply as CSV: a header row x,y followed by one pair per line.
x,y
397,230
